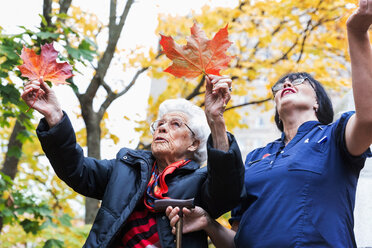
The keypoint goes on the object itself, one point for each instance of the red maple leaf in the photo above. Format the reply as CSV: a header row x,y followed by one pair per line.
x,y
44,66
200,55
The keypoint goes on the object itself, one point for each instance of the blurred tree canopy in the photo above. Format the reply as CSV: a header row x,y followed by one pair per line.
x,y
271,38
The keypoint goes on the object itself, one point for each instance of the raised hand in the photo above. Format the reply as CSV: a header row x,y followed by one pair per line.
x,y
39,96
217,95
361,19
193,219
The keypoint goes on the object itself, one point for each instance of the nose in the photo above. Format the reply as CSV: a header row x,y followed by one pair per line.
x,y
163,128
287,84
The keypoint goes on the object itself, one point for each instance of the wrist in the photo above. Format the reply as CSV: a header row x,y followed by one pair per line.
x,y
210,225
54,117
358,31
216,121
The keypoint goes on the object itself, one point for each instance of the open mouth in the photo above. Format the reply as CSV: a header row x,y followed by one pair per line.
x,y
160,139
287,91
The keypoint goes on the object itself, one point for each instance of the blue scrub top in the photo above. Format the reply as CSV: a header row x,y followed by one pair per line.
x,y
302,194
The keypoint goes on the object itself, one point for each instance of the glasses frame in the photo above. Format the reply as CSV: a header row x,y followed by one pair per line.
x,y
279,86
153,129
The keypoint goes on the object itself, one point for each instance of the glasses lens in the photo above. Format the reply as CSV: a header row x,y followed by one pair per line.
x,y
173,124
277,87
298,81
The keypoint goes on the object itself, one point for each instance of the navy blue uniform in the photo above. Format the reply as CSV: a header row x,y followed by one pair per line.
x,y
301,194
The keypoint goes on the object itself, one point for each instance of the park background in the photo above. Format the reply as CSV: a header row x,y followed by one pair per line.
x,y
119,83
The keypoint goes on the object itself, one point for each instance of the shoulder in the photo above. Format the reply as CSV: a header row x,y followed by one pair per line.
x,y
132,154
341,119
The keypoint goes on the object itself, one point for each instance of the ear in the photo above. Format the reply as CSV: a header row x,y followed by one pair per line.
x,y
194,146
316,106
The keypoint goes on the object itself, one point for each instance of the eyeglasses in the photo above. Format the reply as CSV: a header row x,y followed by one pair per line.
x,y
173,124
280,86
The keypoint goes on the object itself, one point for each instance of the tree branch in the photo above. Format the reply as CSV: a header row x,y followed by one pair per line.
x,y
112,96
196,90
248,103
64,5
47,10
112,18
104,62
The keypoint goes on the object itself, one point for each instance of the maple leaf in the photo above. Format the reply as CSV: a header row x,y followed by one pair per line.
x,y
200,55
44,66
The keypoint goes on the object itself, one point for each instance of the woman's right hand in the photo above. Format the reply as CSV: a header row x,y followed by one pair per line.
x,y
193,219
39,96
361,19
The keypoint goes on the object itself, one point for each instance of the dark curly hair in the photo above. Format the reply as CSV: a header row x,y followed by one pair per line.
x,y
325,111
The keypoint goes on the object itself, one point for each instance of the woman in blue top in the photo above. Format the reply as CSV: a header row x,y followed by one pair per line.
x,y
301,187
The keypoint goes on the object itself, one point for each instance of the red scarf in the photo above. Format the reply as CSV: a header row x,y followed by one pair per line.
x,y
157,188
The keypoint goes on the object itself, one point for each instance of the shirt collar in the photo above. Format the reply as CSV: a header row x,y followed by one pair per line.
x,y
304,127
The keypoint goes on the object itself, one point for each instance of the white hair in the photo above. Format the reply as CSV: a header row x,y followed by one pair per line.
x,y
196,121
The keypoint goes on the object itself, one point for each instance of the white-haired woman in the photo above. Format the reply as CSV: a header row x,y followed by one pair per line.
x,y
129,184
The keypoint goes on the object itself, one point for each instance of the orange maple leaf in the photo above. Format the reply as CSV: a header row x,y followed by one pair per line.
x,y
200,55
44,66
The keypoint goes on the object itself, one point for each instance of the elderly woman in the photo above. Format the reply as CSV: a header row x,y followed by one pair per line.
x,y
301,187
129,184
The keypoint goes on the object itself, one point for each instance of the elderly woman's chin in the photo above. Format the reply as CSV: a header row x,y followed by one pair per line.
x,y
158,148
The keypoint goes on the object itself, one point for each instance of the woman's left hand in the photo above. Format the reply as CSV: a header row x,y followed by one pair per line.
x,y
217,95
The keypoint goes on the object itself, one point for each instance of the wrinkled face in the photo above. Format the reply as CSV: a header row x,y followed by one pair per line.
x,y
295,95
172,139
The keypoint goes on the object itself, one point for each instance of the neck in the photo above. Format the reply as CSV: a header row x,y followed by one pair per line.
x,y
162,163
292,121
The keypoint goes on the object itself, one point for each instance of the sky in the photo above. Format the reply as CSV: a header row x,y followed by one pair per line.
x,y
139,30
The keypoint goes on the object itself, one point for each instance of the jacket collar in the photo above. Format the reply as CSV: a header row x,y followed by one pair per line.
x,y
132,156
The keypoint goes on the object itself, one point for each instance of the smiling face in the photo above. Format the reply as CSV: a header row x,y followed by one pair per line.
x,y
295,96
172,139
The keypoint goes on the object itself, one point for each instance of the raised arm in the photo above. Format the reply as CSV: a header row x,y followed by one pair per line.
x,y
358,133
87,176
217,96
223,188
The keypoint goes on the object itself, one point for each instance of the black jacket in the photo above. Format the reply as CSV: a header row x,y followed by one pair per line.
x,y
121,182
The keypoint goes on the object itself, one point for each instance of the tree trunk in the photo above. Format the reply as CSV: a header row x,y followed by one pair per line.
x,y
94,150
11,162
10,166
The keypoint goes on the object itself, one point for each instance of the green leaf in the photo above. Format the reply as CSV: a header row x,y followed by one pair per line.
x,y
8,51
62,16
46,35
73,86
54,243
15,151
75,53
30,226
24,135
88,40
9,94
43,20
44,210
48,223
65,220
